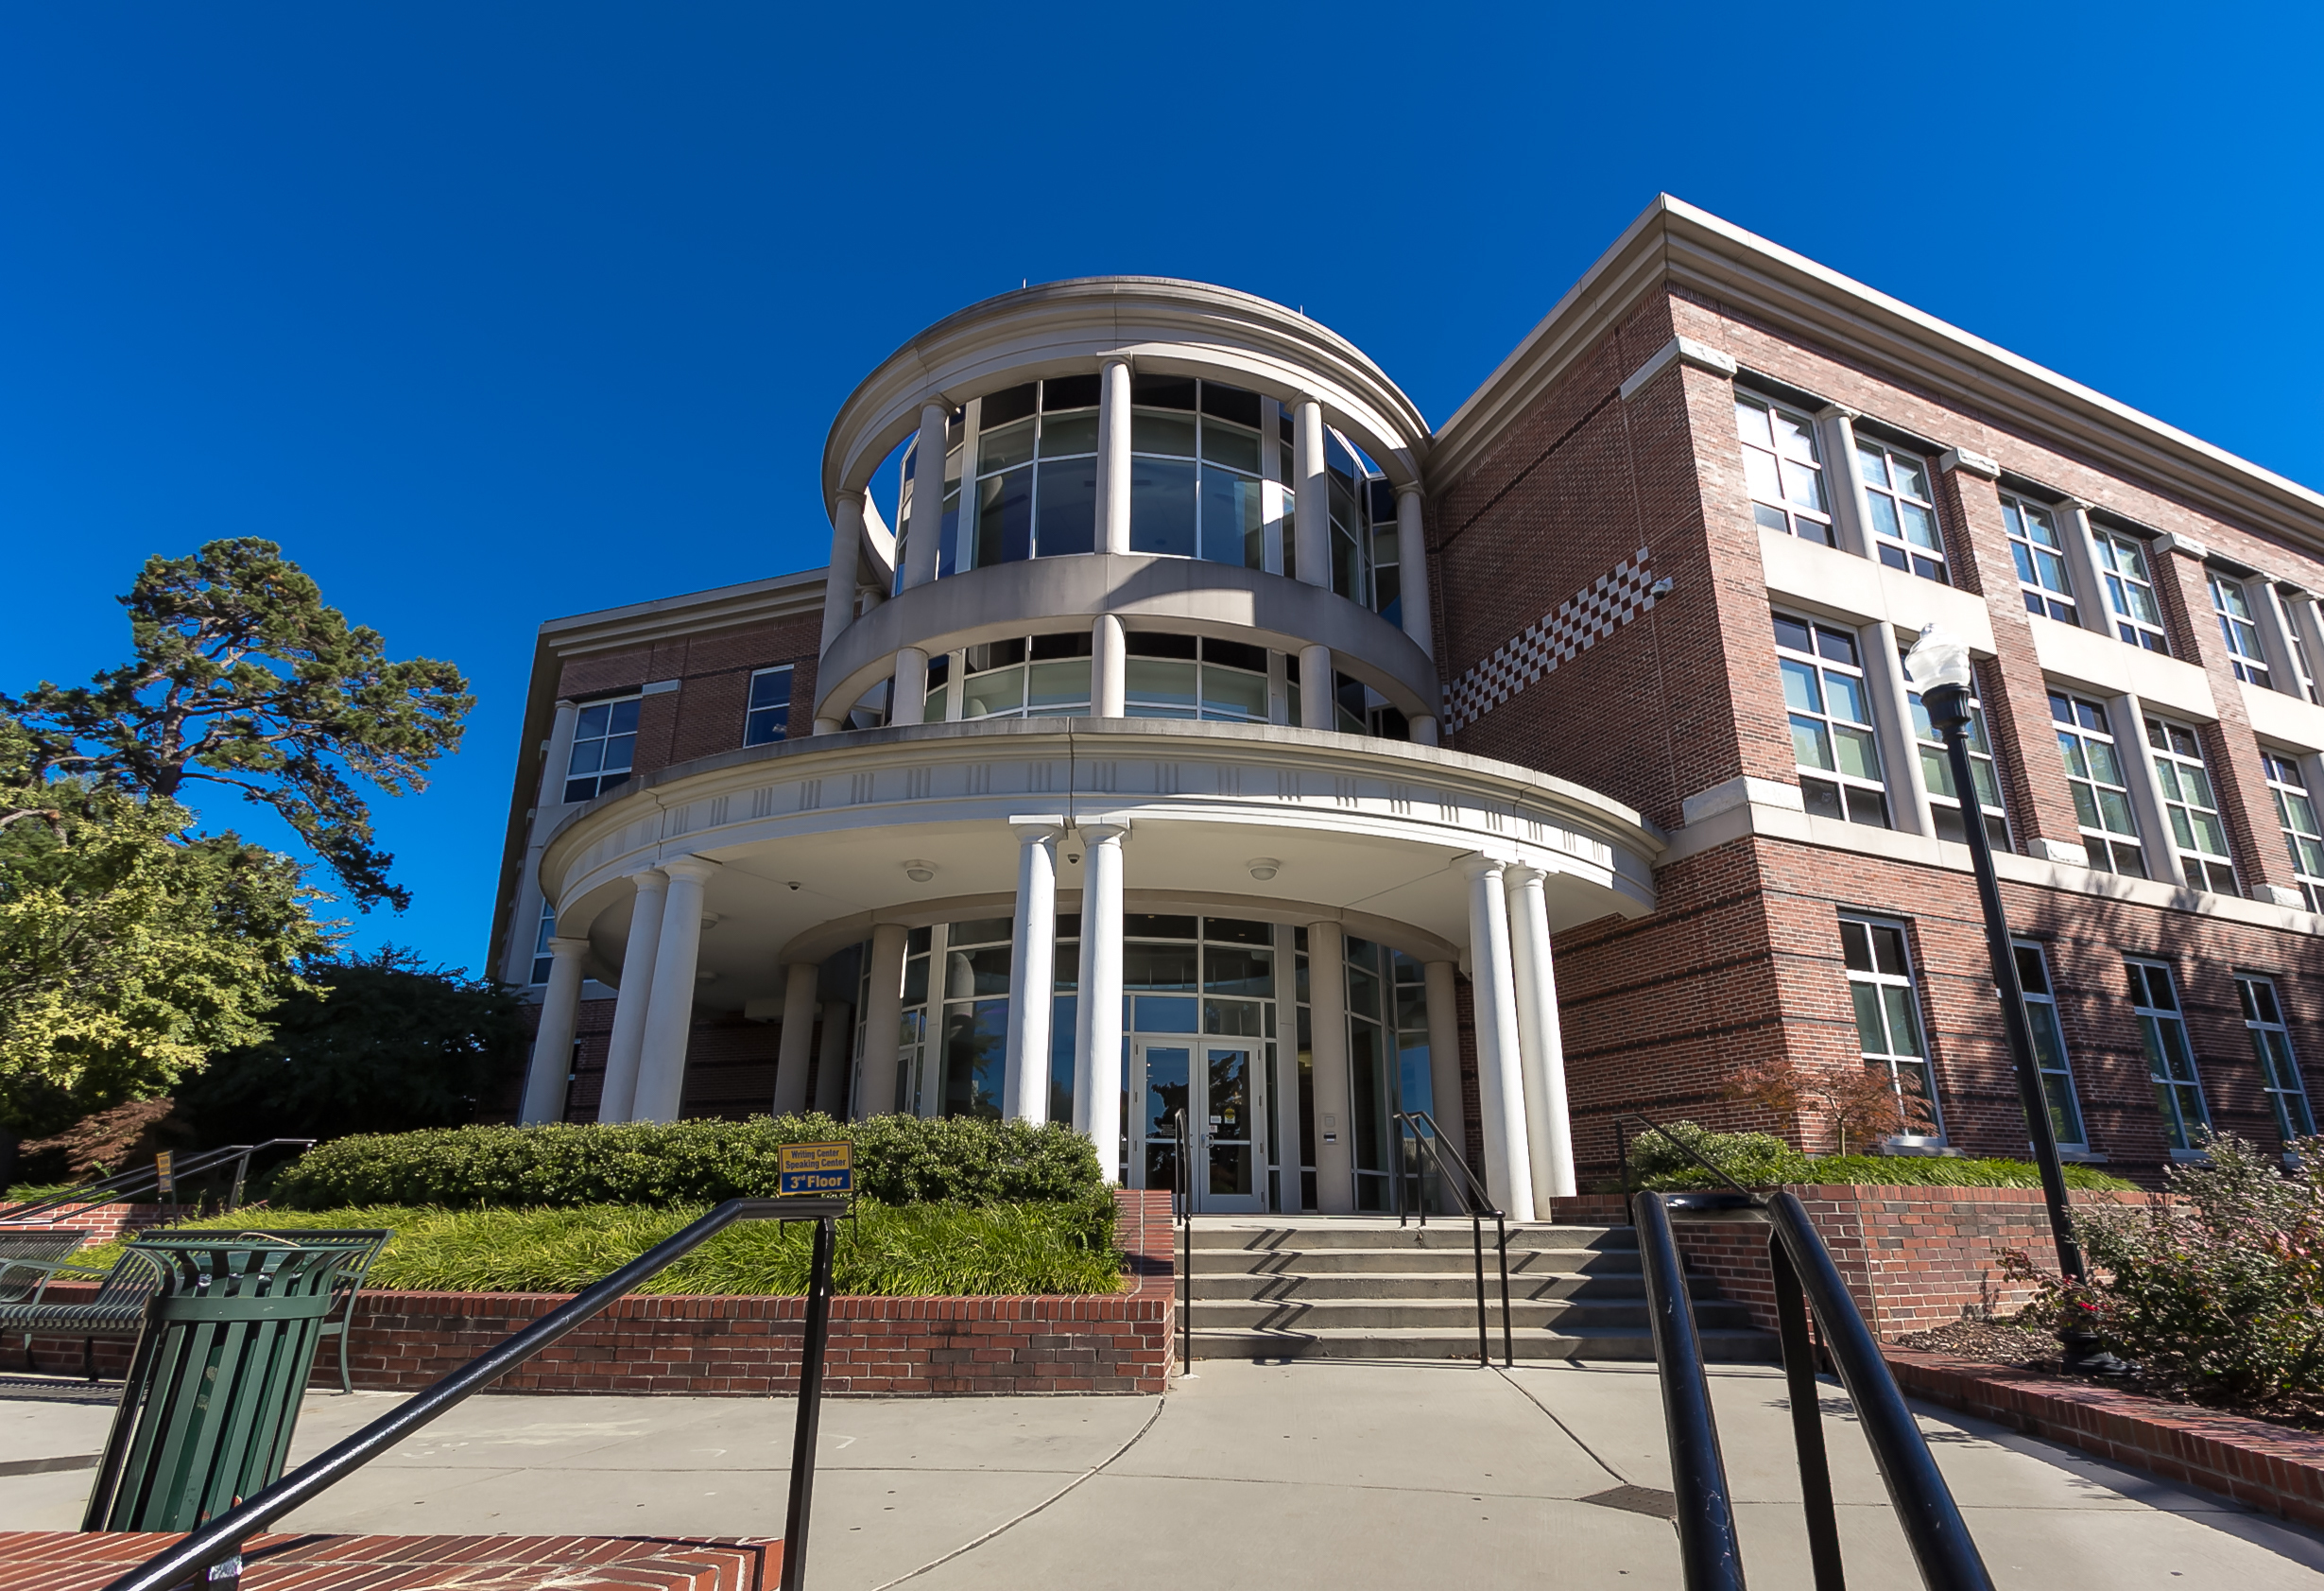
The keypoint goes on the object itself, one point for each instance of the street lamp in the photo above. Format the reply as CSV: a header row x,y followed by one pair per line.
x,y
1939,665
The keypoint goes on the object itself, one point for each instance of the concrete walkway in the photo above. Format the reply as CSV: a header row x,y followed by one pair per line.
x,y
1317,1473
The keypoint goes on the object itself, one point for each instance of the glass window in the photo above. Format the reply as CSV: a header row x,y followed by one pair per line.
x,y
2041,556
1195,483
2050,1048
1183,677
768,718
2271,1044
542,960
1025,509
2296,811
605,739
1879,983
1896,489
2101,796
1936,772
2170,1062
2232,604
1831,713
2191,808
1038,675
1782,470
2129,593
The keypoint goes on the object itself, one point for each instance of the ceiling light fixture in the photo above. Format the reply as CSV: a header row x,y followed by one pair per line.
x,y
1264,867
918,872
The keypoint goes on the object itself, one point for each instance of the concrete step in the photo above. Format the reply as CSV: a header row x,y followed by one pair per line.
x,y
1444,1262
1721,1345
1438,1234
1364,1284
1440,1314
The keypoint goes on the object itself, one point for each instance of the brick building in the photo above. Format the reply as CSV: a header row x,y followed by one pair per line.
x,y
1573,734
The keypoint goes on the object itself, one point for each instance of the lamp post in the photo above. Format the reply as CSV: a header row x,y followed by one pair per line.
x,y
1939,664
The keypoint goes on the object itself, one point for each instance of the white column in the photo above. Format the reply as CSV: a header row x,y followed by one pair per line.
x,y
561,1008
1109,668
1316,697
2127,716
1501,1089
2308,623
1892,721
1113,466
924,532
847,540
619,1095
2274,627
798,1042
1424,729
669,1019
907,699
1850,512
525,924
560,754
831,1061
1289,1146
1327,1034
1032,971
1097,1042
1412,570
2075,538
883,1021
1452,1111
1541,1042
1311,514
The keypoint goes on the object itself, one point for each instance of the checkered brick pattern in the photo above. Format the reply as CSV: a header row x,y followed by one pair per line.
x,y
1591,614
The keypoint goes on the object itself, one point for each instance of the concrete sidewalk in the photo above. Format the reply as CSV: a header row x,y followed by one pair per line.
x,y
1318,1473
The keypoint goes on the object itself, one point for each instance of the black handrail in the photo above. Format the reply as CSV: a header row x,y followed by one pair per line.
x,y
1622,1148
219,1541
121,1185
1478,1203
1182,1218
1807,1285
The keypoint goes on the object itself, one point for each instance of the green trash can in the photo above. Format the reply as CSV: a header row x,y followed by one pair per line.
x,y
214,1385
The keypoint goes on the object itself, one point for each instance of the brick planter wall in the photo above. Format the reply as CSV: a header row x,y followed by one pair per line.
x,y
102,1222
84,1561
745,1346
1913,1257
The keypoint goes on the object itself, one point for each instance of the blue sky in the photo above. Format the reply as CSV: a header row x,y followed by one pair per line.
x,y
493,313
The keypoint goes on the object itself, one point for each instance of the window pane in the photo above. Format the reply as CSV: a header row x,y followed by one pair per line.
x,y
1163,433
1159,682
1004,518
1234,511
1068,508
1058,685
1227,444
1811,743
1003,447
1065,434
1161,508
1232,693
984,694
1871,1034
1801,689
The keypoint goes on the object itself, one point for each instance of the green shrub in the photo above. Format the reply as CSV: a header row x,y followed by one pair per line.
x,y
917,1250
899,1160
1763,1160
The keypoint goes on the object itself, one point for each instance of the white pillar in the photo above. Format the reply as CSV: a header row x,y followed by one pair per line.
x,y
1541,1042
552,1062
1892,719
1311,512
1412,572
1444,1054
617,1097
1032,971
1316,699
1424,729
1501,1089
669,1019
1109,668
907,699
1097,1042
1113,466
798,1042
883,1021
1327,1034
831,1061
560,754
924,531
2308,623
847,540
1290,1146
2127,716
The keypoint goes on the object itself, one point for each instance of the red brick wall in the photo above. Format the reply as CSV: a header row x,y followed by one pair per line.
x,y
302,1561
704,715
102,1222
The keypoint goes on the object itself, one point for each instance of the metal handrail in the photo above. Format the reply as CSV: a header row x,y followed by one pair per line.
x,y
218,1542
1478,1203
121,1185
1182,1218
1807,1287
1622,1150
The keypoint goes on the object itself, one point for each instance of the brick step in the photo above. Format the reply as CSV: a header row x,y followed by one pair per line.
x,y
75,1561
1429,1314
1304,1284
1721,1345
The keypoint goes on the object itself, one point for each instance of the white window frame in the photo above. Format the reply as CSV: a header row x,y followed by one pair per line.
x,y
2076,736
1039,420
752,714
2190,805
1277,500
1876,468
1886,1002
543,958
2158,1022
2296,814
601,740
2230,604
2271,1046
1936,769
1770,486
2122,570
2057,1065
1807,679
952,703
2037,561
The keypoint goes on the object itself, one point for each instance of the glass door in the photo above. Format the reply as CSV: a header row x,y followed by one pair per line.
x,y
1220,1088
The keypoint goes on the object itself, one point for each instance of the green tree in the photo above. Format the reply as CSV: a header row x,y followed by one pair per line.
x,y
243,676
378,1044
128,952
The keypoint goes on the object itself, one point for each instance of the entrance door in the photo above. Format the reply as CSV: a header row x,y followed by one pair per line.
x,y
1219,1086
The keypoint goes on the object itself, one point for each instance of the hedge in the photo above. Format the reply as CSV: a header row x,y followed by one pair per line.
x,y
899,1160
1763,1160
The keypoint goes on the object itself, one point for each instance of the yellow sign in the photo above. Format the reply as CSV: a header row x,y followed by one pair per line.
x,y
168,1189
828,1170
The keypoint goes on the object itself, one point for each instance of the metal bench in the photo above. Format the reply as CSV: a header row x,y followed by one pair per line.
x,y
29,1255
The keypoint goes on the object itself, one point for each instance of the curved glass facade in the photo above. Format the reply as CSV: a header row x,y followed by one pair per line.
x,y
1164,677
